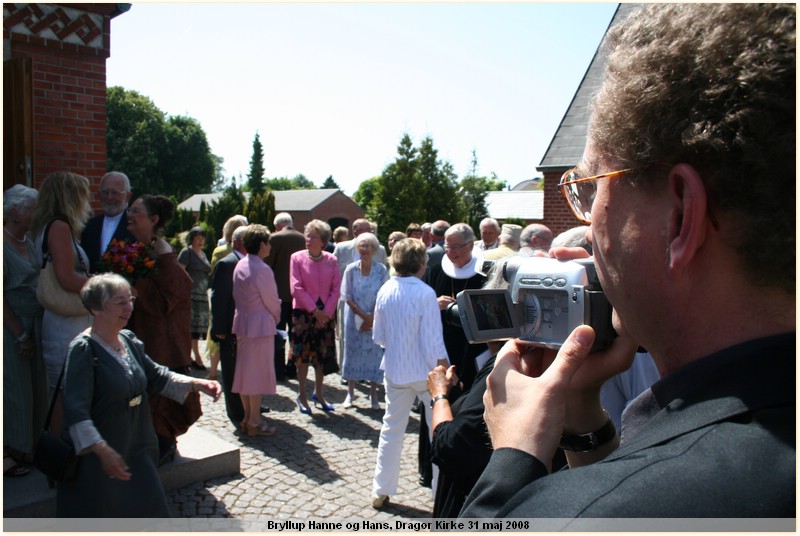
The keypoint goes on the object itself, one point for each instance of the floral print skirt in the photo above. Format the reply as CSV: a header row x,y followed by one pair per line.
x,y
312,345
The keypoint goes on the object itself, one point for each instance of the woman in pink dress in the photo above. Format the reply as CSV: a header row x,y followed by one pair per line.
x,y
258,309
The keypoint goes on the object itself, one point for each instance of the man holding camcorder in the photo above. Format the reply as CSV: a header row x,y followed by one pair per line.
x,y
688,183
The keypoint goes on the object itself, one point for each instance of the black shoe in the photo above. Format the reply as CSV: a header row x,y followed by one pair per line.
x,y
264,409
425,482
197,366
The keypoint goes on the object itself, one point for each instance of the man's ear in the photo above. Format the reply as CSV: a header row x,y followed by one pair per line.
x,y
690,220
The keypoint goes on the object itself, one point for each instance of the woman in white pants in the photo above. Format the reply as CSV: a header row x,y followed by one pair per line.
x,y
408,325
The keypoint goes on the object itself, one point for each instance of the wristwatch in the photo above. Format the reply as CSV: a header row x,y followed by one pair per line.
x,y
435,399
592,440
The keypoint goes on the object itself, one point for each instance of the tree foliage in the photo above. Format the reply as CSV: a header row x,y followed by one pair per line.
x,y
417,186
261,208
255,178
329,184
231,202
160,154
299,182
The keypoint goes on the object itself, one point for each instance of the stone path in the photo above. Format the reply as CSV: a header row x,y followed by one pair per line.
x,y
315,466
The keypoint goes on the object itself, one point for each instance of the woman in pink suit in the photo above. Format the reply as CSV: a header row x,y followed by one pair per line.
x,y
315,281
258,309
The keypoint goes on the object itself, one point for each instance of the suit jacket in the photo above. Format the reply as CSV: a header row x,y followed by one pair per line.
x,y
258,307
90,238
435,254
721,445
223,305
345,252
282,245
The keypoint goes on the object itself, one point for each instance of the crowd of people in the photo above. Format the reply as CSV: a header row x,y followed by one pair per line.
x,y
696,392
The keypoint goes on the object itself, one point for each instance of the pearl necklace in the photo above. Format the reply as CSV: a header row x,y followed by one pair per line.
x,y
313,258
9,233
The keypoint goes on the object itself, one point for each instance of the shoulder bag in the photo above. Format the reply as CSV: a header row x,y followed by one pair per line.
x,y
52,455
49,291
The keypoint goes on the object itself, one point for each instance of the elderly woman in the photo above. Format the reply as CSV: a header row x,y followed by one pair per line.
x,y
360,284
258,310
163,317
194,260
25,380
408,326
315,282
61,213
108,380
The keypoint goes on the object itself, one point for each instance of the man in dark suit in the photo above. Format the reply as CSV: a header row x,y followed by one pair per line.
x,y
285,241
700,267
222,310
115,192
436,250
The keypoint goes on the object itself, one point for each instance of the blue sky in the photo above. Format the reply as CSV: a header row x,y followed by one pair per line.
x,y
332,87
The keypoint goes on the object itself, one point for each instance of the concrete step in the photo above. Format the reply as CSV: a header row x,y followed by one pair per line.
x,y
201,456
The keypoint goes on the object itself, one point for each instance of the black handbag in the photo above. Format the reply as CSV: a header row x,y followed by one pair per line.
x,y
52,455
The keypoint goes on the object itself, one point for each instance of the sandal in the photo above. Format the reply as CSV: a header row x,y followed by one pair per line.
x,y
13,469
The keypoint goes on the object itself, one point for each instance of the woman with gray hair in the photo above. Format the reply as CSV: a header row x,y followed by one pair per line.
x,y
25,379
360,284
108,379
315,282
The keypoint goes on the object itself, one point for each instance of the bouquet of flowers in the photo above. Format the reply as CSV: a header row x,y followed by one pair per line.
x,y
131,260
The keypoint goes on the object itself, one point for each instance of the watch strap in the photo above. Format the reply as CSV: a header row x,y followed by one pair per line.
x,y
592,440
435,399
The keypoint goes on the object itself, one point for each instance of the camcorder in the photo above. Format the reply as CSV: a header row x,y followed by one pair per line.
x,y
545,301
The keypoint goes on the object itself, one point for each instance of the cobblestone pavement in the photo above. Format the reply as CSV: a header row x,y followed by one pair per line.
x,y
318,465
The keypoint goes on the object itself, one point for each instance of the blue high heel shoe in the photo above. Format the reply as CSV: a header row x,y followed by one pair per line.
x,y
302,408
323,407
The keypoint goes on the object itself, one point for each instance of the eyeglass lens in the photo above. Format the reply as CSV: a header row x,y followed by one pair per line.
x,y
581,196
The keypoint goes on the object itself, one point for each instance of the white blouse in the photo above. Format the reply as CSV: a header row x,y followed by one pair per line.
x,y
408,325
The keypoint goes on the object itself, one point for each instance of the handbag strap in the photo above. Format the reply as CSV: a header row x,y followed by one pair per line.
x,y
55,395
45,253
58,388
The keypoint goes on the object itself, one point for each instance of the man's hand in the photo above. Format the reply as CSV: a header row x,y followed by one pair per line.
x,y
525,399
534,395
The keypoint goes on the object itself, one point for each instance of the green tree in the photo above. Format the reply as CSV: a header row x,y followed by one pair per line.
x,y
135,139
330,184
301,182
255,179
440,186
279,184
472,192
231,202
188,166
399,194
364,196
261,208
161,154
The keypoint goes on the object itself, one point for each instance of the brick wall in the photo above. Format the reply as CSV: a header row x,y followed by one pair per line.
x,y
68,49
557,216
336,206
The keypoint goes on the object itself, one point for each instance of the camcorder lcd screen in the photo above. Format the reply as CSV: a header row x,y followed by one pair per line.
x,y
489,314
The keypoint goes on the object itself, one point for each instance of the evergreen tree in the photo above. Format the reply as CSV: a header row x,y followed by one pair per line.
x,y
255,179
399,194
330,184
261,208
229,203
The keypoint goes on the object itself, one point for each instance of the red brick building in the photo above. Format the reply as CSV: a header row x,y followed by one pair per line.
x,y
54,89
329,205
569,140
